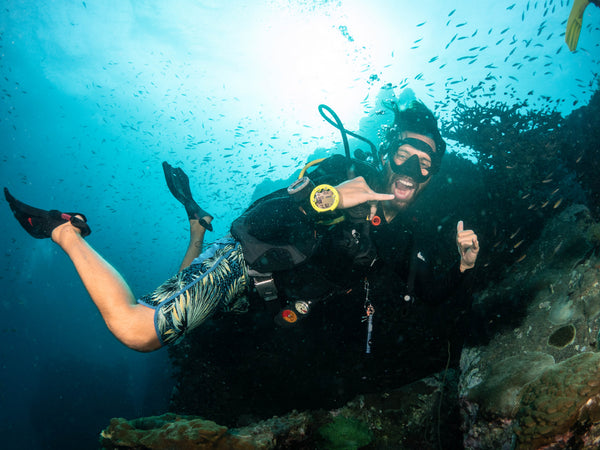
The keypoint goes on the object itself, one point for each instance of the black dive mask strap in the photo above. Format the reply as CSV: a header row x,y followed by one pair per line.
x,y
417,144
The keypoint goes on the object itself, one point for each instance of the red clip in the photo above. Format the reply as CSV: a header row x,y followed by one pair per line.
x,y
376,220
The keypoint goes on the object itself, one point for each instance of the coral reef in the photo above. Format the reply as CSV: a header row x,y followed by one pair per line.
x,y
166,431
563,395
172,431
537,382
415,416
499,392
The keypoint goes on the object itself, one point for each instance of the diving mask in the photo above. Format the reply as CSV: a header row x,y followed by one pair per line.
x,y
412,166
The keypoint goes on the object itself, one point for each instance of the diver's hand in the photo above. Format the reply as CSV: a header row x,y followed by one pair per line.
x,y
356,192
468,246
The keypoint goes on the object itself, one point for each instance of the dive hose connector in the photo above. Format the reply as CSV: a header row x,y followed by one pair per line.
x,y
301,189
319,199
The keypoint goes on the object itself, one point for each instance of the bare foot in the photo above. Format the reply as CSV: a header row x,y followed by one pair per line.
x,y
65,231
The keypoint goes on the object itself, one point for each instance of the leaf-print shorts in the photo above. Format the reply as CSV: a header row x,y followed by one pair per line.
x,y
217,279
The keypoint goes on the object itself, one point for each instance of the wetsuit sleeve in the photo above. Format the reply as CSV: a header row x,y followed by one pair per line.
x,y
277,235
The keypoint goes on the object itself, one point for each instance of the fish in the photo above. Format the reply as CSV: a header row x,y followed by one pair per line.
x,y
451,40
557,248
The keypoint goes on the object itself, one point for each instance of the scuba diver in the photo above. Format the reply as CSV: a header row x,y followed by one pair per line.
x,y
575,22
328,231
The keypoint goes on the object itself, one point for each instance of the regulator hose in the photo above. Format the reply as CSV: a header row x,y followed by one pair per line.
x,y
337,123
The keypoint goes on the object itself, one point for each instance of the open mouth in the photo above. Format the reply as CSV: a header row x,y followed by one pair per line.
x,y
404,188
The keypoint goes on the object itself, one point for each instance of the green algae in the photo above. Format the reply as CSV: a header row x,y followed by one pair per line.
x,y
345,433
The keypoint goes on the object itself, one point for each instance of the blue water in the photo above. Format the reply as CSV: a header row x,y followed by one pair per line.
x,y
96,94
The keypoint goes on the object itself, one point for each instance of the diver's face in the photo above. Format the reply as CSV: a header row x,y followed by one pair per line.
x,y
404,187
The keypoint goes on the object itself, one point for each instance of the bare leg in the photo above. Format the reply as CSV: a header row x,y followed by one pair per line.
x,y
196,241
131,323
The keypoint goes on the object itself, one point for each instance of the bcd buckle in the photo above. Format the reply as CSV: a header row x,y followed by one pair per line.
x,y
264,284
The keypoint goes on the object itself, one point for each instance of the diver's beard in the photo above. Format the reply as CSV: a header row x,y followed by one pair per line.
x,y
405,190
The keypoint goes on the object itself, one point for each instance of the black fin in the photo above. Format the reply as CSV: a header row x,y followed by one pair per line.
x,y
39,223
179,185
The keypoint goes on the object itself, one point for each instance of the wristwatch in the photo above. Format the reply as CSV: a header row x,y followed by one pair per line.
x,y
324,198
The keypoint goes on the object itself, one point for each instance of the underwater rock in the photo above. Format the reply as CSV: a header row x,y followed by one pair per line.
x,y
561,403
536,381
420,415
166,431
498,394
172,431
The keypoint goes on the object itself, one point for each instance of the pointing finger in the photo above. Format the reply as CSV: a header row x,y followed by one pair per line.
x,y
459,226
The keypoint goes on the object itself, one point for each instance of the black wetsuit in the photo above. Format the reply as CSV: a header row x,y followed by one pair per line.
x,y
306,256
337,257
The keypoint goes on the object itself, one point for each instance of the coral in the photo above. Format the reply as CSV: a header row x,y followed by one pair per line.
x,y
345,433
414,416
166,431
172,431
594,233
565,395
470,374
498,394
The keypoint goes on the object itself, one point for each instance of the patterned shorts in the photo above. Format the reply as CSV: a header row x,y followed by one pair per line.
x,y
217,279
